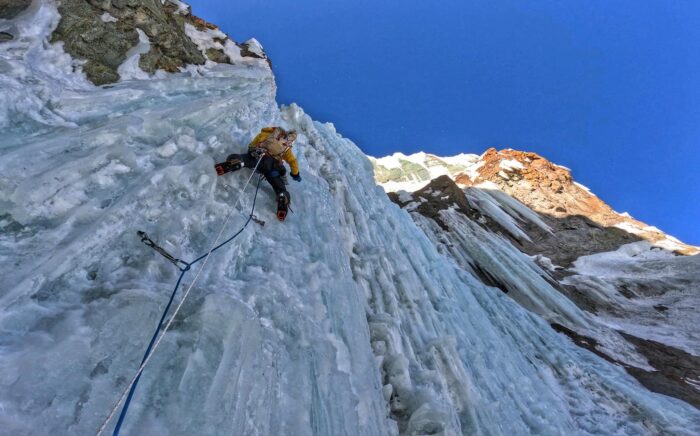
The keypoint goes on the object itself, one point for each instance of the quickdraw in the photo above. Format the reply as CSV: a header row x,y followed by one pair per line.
x,y
257,220
160,250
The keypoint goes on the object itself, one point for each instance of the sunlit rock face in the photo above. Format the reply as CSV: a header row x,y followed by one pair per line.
x,y
543,186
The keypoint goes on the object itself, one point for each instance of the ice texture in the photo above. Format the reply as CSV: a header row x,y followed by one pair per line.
x,y
504,209
344,320
34,75
662,292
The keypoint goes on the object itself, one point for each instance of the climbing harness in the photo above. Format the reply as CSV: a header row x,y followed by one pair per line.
x,y
156,339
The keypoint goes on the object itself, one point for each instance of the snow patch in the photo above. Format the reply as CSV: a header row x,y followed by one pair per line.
x,y
108,18
585,188
130,69
255,47
182,8
404,196
432,166
211,39
510,165
636,269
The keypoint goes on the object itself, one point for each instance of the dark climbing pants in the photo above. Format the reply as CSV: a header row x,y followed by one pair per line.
x,y
271,168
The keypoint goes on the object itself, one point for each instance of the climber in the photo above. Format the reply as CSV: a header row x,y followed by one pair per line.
x,y
271,146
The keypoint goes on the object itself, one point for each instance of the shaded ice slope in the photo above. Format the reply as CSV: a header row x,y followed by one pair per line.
x,y
645,291
344,316
638,290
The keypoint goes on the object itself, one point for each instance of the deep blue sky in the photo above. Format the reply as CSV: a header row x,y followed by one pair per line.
x,y
610,89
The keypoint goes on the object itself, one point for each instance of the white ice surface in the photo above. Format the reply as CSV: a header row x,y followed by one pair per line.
x,y
34,75
525,281
504,209
639,268
302,327
130,69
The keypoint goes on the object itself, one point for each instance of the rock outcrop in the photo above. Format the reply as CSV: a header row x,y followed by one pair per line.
x,y
103,33
6,36
549,189
12,8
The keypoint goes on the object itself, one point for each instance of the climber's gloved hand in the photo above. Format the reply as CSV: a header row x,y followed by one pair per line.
x,y
297,177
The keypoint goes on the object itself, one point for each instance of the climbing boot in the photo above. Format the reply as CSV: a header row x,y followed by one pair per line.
x,y
228,166
282,205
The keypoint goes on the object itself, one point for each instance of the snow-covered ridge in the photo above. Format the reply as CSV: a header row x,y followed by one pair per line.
x,y
543,186
400,172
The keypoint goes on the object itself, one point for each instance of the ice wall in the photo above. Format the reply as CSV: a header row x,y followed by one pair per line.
x,y
345,319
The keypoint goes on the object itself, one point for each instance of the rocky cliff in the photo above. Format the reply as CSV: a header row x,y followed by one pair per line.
x,y
104,33
641,282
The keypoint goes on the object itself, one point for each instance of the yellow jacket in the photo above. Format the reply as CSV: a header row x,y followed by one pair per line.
x,y
286,155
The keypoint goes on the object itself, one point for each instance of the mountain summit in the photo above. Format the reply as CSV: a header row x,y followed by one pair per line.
x,y
543,186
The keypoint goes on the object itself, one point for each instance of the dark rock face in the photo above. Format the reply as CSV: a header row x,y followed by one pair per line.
x,y
674,368
246,51
104,45
12,8
4,36
430,206
218,55
572,236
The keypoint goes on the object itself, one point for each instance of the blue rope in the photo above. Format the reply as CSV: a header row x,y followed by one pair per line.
x,y
183,271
